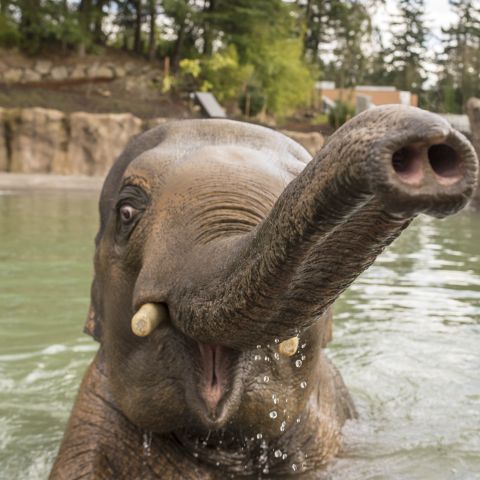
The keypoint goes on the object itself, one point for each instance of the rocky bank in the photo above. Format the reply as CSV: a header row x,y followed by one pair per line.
x,y
39,140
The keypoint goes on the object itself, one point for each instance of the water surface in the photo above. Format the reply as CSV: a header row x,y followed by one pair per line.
x,y
406,339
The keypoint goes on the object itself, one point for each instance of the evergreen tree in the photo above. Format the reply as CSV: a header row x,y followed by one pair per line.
x,y
460,61
408,52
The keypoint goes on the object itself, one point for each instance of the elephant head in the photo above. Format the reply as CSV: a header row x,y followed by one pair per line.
x,y
227,245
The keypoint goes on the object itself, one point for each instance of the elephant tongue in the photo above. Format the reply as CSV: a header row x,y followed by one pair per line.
x,y
213,374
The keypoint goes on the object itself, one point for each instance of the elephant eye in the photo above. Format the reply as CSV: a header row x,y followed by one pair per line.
x,y
127,213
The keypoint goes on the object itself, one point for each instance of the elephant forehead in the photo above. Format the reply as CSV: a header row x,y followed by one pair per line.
x,y
223,190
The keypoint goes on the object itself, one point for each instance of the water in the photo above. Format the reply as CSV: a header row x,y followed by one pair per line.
x,y
406,339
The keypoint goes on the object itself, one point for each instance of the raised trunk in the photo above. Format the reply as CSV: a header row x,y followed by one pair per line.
x,y
357,195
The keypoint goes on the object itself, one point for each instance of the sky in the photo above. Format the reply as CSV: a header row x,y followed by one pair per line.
x,y
437,15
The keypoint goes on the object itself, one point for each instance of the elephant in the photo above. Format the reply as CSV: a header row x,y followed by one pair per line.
x,y
221,249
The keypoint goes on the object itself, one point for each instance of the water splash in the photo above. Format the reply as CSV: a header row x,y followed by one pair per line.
x,y
298,363
273,414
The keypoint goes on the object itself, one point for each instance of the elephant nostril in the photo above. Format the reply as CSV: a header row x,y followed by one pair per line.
x,y
407,163
446,163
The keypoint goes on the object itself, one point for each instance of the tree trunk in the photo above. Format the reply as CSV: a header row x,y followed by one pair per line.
x,y
137,42
177,49
152,33
208,10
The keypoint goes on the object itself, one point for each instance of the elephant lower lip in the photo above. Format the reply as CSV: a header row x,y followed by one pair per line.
x,y
214,363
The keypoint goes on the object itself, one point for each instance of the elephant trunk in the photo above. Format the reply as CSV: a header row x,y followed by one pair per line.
x,y
355,197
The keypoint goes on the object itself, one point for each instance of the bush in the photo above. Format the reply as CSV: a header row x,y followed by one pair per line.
x,y
9,34
341,113
251,101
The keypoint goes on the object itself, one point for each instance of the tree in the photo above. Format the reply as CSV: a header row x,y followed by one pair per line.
x,y
460,60
408,52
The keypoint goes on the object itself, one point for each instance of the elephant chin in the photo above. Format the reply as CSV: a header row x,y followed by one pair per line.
x,y
217,384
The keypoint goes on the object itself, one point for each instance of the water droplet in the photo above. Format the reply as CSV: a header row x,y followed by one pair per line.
x,y
303,357
278,453
275,399
298,419
257,357
259,347
298,363
267,358
266,378
294,467
284,456
259,436
195,454
303,346
265,469
303,385
217,464
276,355
283,426
277,340
147,443
273,414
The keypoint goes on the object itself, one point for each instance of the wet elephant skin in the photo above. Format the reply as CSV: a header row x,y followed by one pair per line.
x,y
243,242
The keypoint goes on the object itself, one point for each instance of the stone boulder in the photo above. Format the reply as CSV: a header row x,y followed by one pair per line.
x,y
13,75
38,139
473,112
30,75
43,66
59,73
99,71
312,141
96,140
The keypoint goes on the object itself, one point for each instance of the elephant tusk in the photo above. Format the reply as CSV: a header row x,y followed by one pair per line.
x,y
148,318
288,347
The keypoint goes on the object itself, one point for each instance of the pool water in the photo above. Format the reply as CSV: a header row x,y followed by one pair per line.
x,y
406,339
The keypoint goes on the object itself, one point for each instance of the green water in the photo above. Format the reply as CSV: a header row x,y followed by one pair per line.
x,y
407,341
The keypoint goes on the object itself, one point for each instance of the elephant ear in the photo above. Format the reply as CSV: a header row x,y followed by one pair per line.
x,y
93,324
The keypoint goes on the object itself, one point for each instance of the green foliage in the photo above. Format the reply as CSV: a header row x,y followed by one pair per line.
x,y
9,34
252,101
340,113
459,79
220,73
283,78
224,74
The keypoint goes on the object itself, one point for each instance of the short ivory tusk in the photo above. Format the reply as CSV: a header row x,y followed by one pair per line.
x,y
148,318
289,347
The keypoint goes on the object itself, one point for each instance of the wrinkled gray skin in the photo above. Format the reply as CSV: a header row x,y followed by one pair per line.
x,y
247,243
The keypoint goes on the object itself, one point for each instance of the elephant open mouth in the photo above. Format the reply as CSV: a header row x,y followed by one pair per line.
x,y
217,382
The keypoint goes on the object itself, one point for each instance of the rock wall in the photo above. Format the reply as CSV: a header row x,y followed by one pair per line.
x,y
45,71
39,140
473,112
